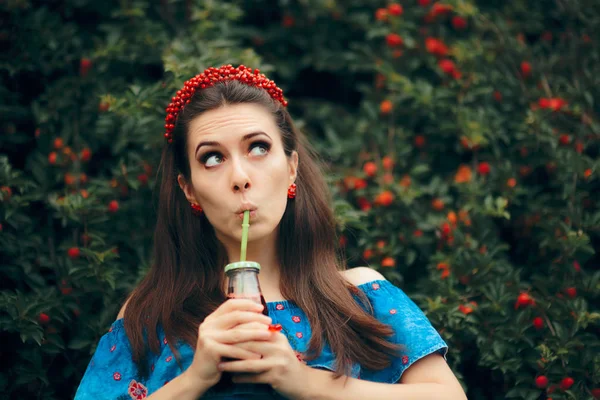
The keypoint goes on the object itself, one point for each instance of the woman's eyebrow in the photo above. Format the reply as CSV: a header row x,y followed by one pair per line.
x,y
246,137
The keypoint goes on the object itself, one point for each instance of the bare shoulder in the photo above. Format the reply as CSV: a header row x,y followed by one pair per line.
x,y
359,275
122,312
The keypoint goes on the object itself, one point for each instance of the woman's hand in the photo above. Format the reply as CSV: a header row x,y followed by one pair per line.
x,y
278,367
234,322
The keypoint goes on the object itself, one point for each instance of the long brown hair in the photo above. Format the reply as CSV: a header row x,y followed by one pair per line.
x,y
186,280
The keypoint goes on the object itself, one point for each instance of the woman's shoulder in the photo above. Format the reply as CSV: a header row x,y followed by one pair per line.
x,y
361,275
122,311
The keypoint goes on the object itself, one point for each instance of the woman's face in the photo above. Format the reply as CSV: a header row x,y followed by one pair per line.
x,y
237,162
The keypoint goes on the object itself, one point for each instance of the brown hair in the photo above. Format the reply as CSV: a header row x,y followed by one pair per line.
x,y
186,280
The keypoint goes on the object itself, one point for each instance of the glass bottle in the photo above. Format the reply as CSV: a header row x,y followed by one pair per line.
x,y
242,282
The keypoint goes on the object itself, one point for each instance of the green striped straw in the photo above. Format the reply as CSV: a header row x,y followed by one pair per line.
x,y
245,226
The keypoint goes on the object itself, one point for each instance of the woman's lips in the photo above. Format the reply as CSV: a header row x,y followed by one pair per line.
x,y
252,215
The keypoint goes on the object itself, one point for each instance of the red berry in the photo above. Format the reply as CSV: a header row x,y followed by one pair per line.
x,y
436,47
386,106
103,106
424,3
576,266
43,318
6,193
525,68
443,265
388,262
66,290
367,254
437,204
566,383
86,154
497,96
465,309
459,23
363,204
447,66
538,323
381,14
84,66
73,252
446,230
395,9
69,179
541,382
58,143
484,168
387,162
394,40
113,206
288,21
571,292
385,198
143,179
360,183
596,393
440,9
420,141
52,158
523,300
370,168
564,139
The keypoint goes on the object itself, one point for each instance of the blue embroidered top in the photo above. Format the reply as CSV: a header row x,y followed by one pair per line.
x,y
111,374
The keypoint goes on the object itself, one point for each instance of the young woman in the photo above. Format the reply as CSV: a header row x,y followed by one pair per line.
x,y
231,146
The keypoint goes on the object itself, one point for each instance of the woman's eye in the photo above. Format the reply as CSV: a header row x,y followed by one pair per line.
x,y
260,148
212,159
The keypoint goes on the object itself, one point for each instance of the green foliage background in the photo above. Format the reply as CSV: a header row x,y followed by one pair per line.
x,y
484,184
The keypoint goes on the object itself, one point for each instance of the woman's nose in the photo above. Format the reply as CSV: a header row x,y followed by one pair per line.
x,y
242,187
240,180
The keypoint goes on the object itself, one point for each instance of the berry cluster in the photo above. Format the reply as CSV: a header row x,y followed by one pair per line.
x,y
210,77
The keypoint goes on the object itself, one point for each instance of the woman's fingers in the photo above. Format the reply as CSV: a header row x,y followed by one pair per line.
x,y
237,317
232,352
237,304
251,325
238,335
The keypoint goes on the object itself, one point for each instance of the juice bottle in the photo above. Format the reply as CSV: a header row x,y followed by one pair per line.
x,y
242,282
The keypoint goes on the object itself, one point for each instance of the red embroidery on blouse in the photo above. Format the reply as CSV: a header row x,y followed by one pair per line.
x,y
117,376
393,311
404,360
152,368
110,329
137,391
168,359
279,307
296,318
165,340
299,335
114,346
375,286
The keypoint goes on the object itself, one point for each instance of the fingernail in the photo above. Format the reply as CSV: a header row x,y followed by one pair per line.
x,y
275,327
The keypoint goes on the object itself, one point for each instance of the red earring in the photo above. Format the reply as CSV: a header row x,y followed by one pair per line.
x,y
196,209
292,191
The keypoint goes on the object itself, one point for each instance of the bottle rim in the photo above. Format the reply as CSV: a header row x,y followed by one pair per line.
x,y
242,264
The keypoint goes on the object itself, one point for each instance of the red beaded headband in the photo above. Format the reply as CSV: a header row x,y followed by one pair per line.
x,y
207,79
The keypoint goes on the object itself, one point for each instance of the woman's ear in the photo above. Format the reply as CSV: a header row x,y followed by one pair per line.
x,y
293,166
187,188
